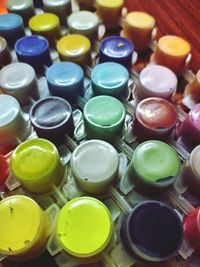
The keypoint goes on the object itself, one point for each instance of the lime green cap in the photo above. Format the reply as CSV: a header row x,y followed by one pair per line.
x,y
84,227
34,160
155,161
44,22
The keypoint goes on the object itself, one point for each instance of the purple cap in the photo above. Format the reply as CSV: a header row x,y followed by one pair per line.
x,y
189,129
52,118
152,232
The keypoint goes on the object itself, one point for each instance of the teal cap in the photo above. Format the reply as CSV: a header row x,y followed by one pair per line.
x,y
109,79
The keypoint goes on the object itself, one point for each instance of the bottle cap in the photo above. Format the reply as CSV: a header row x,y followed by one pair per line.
x,y
36,164
46,25
19,80
52,118
24,8
110,79
34,50
11,28
66,80
75,48
84,227
104,117
83,22
22,227
116,49
95,166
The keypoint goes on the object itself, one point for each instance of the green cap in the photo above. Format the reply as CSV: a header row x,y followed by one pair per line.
x,y
104,117
155,164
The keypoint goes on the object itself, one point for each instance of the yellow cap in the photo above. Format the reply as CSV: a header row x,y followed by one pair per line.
x,y
34,159
84,227
44,22
140,20
73,46
110,3
20,224
174,46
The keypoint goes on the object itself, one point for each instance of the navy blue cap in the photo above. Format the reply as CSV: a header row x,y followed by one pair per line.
x,y
66,79
116,49
11,27
34,50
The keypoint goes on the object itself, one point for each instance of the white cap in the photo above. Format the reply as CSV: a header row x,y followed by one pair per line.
x,y
95,166
19,80
13,127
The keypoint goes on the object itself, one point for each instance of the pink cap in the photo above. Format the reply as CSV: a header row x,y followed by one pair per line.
x,y
156,81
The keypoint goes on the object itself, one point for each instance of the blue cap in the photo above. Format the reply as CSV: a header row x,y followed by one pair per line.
x,y
66,79
109,78
11,27
34,50
116,49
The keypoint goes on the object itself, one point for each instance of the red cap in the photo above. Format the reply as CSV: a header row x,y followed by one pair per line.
x,y
4,169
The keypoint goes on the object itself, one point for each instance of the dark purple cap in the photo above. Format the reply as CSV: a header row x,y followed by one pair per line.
x,y
52,118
